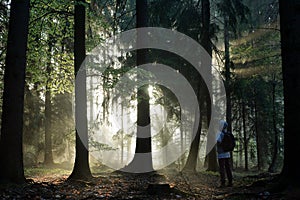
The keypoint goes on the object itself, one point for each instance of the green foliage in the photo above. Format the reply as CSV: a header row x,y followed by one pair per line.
x,y
33,123
4,14
235,11
98,146
50,43
175,14
63,124
50,66
257,80
260,50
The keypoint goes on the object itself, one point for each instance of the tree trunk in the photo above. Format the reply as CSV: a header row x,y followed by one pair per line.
x,y
245,139
142,160
181,160
11,152
227,72
203,97
212,163
122,133
240,143
48,157
191,162
290,46
257,136
272,166
81,169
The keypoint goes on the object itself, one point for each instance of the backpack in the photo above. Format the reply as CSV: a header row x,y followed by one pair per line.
x,y
228,142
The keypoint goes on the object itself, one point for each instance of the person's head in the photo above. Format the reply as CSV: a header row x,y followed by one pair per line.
x,y
223,125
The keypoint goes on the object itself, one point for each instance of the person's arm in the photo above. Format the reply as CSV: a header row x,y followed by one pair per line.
x,y
220,137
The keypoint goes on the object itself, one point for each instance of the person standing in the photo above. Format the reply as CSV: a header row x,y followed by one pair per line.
x,y
223,157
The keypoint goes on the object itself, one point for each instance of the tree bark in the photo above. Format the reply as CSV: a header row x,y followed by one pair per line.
x,y
290,51
81,169
191,162
142,160
257,136
227,73
11,152
48,157
245,138
203,98
272,166
212,163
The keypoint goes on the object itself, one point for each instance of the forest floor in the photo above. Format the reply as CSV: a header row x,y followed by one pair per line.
x,y
201,185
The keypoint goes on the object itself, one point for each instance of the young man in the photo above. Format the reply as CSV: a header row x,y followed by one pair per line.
x,y
223,157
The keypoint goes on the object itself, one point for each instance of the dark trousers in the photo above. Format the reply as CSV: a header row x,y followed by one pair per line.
x,y
225,167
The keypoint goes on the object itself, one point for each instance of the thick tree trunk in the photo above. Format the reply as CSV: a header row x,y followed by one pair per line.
x,y
212,164
191,162
11,153
81,168
290,46
142,160
204,98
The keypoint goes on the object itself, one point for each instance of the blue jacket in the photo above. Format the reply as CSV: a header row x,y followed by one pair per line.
x,y
221,153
